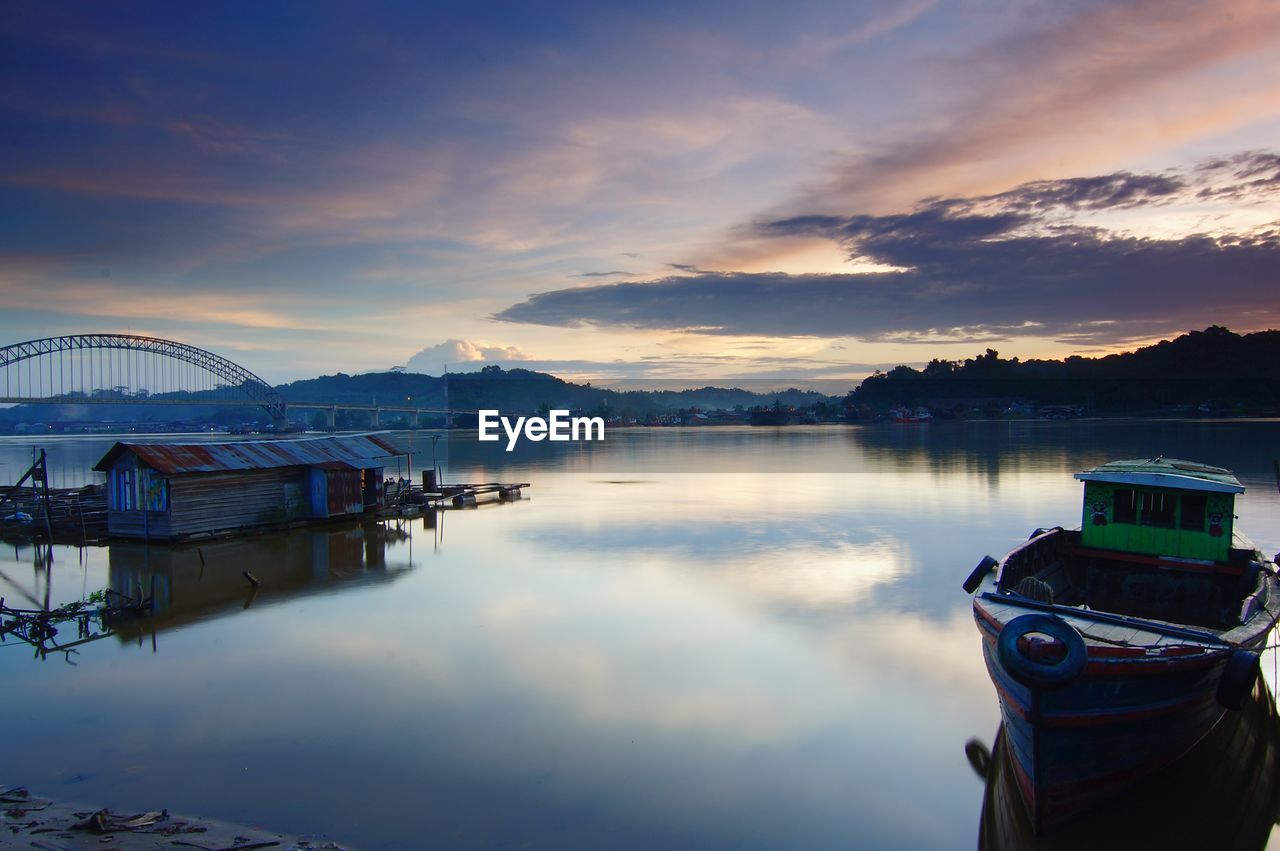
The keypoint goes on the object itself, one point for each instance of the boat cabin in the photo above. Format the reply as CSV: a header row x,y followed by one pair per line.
x,y
1160,507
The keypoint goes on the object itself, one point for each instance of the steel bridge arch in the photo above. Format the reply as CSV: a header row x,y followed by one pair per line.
x,y
258,391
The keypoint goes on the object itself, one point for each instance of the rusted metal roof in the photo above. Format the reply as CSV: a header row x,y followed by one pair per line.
x,y
354,450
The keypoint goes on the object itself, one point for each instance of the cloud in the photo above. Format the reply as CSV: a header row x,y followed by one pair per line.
x,y
458,161
95,299
432,359
1082,84
759,371
1026,262
813,49
1254,173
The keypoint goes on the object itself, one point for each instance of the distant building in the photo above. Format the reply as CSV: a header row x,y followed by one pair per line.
x,y
176,490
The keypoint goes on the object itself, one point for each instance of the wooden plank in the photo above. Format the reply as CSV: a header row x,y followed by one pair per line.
x,y
1188,633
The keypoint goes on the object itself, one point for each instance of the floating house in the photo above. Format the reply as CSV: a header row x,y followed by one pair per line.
x,y
177,490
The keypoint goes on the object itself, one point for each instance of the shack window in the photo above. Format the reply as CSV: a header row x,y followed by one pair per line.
x,y
155,492
122,490
135,489
1126,510
1193,505
1158,509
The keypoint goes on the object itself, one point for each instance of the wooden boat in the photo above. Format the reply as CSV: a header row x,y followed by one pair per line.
x,y
1225,793
1117,647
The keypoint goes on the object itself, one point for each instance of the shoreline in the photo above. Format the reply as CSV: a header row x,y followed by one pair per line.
x,y
40,822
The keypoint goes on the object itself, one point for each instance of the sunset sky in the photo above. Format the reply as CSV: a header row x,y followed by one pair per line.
x,y
666,190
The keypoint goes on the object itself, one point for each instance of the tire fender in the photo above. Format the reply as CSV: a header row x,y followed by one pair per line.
x,y
975,578
1238,677
1033,672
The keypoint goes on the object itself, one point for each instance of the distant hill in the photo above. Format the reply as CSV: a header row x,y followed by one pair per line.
x,y
518,391
1213,370
514,391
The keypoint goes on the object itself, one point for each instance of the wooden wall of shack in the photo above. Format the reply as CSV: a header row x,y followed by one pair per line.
x,y
337,489
215,502
212,503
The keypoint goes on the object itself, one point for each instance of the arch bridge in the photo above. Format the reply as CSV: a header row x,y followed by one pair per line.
x,y
130,369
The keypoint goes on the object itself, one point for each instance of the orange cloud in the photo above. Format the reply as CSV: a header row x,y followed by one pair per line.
x,y
79,298
1108,82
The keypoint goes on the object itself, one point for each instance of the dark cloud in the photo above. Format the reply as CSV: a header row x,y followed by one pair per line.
x,y
1093,193
617,273
975,268
1248,176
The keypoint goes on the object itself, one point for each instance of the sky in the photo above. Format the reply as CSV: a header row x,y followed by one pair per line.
x,y
620,190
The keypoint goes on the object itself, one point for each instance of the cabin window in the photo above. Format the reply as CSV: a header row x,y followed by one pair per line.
x,y
1126,507
1158,509
1193,506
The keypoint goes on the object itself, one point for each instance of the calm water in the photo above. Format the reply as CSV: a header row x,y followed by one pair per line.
x,y
716,637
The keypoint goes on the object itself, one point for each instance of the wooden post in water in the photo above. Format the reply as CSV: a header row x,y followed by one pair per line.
x,y
43,475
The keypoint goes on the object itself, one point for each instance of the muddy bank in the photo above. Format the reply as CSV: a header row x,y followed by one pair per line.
x,y
29,821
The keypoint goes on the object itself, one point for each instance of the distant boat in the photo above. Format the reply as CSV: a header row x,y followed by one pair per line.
x,y
1116,648
908,415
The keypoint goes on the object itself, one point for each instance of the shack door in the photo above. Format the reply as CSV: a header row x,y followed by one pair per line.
x,y
344,492
370,480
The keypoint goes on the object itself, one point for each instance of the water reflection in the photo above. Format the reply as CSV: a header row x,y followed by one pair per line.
x,y
1225,793
197,581
640,655
152,588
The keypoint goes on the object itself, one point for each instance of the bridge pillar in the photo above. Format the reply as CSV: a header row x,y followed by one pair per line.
x,y
377,418
332,417
280,418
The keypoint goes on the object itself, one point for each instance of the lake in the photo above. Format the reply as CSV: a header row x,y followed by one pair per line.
x,y
700,637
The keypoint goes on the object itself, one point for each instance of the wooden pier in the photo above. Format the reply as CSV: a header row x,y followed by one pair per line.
x,y
31,510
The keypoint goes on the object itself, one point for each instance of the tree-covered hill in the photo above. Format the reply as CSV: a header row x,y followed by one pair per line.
x,y
1212,369
524,391
512,391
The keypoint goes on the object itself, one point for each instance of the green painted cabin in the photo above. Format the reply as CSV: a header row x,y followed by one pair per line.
x,y
1160,507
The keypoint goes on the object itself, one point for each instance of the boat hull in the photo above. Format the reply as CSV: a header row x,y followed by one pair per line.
x,y
1123,719
1223,793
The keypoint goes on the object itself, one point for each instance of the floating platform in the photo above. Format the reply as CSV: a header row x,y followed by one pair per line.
x,y
78,516
461,496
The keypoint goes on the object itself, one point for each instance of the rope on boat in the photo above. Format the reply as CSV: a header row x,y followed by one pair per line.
x,y
1115,642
